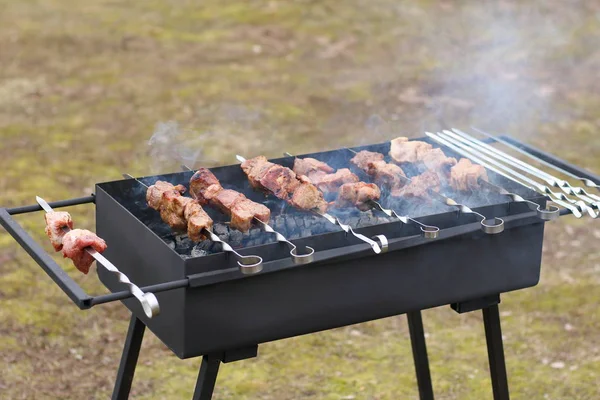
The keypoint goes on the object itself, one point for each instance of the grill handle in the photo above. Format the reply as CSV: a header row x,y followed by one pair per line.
x,y
54,271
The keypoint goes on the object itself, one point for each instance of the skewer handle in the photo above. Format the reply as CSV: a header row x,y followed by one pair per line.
x,y
148,301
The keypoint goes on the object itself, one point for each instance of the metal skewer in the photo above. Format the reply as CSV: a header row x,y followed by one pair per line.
x,y
580,205
587,182
478,158
348,229
492,227
296,258
148,300
248,264
429,231
515,162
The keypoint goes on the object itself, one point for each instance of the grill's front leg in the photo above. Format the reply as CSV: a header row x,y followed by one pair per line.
x,y
207,378
131,351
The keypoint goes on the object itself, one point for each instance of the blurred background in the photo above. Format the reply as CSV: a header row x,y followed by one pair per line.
x,y
90,90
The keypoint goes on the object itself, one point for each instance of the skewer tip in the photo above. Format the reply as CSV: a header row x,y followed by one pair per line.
x,y
240,158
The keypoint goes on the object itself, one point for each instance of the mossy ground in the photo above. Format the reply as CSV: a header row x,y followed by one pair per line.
x,y
82,85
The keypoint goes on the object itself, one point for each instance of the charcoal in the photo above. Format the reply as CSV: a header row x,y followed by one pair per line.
x,y
220,229
198,251
255,232
305,232
290,224
235,238
300,222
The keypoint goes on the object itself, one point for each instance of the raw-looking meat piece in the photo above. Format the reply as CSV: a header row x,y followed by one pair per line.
x,y
403,150
358,195
465,175
330,183
55,221
74,244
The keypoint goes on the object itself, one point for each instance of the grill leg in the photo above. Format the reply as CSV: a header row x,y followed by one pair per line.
x,y
419,349
207,378
493,336
131,351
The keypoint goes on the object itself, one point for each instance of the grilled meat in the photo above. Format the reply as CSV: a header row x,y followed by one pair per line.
x,y
74,244
419,186
155,192
330,183
55,222
283,183
386,174
197,220
205,186
403,150
364,157
357,195
306,166
171,210
465,175
436,160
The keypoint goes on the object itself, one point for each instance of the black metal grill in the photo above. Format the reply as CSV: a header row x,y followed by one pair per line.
x,y
210,308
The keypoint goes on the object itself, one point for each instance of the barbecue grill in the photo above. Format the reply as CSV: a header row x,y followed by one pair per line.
x,y
211,307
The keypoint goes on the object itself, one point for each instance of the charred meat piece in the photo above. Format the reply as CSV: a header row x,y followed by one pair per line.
x,y
74,244
358,195
403,150
386,174
465,175
308,197
283,183
197,220
205,186
364,157
419,186
306,166
155,192
55,222
172,208
436,160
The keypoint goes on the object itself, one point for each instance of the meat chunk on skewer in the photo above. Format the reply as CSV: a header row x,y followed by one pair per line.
x,y
283,183
74,244
55,222
386,174
205,186
305,166
330,183
420,186
197,220
154,194
172,208
403,150
436,160
364,157
465,175
358,195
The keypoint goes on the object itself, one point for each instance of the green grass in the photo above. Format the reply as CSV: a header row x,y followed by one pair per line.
x,y
83,85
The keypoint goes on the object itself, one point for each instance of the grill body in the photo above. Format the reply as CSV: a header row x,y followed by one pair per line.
x,y
346,284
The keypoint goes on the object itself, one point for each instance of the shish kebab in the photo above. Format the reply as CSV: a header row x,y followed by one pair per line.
x,y
182,213
576,207
462,175
323,176
206,188
298,191
83,246
422,186
579,192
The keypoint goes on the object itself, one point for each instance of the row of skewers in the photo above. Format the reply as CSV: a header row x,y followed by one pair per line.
x,y
312,184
